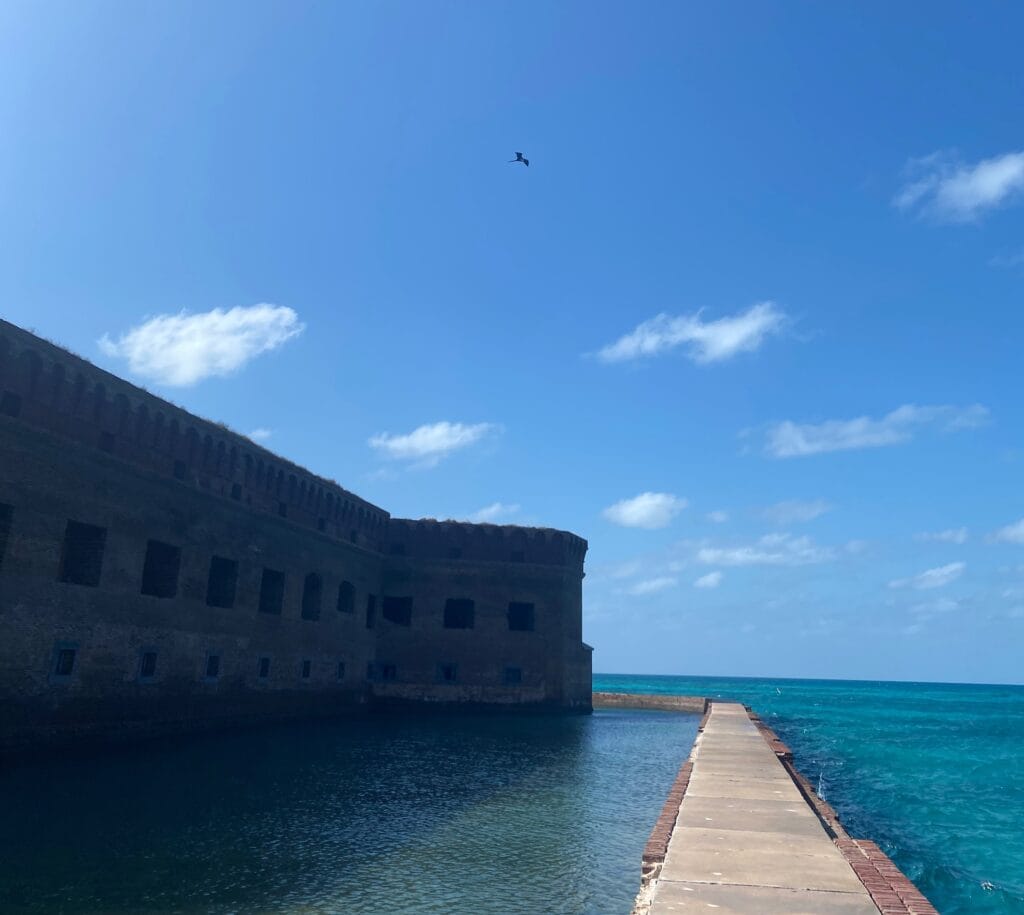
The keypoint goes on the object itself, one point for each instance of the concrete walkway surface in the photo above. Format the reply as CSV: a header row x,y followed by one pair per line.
x,y
746,842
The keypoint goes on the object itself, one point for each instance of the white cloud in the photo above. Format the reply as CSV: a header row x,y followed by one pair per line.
x,y
956,535
795,511
1012,533
653,585
261,434
772,550
935,608
649,510
1015,259
183,349
946,190
496,511
428,444
932,578
708,341
789,439
718,517
711,580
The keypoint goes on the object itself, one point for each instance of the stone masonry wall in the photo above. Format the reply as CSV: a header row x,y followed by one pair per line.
x,y
198,580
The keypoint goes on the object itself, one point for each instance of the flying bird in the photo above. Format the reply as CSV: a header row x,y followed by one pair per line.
x,y
521,158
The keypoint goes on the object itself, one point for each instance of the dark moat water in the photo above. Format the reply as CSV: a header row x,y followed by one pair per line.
x,y
385,815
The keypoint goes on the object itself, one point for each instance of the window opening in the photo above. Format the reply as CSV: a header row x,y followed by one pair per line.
x,y
82,555
312,594
272,591
520,617
222,582
147,665
160,570
458,613
397,610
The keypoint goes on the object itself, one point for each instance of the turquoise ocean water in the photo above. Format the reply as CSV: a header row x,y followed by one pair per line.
x,y
932,772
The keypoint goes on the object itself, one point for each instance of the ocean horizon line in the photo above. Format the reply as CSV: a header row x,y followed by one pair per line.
x,y
751,678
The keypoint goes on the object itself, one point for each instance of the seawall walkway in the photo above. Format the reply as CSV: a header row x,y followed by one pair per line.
x,y
742,832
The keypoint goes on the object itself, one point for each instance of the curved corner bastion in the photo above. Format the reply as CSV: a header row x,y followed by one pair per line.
x,y
160,573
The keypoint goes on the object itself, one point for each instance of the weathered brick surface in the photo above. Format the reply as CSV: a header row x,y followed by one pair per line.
x,y
657,844
79,444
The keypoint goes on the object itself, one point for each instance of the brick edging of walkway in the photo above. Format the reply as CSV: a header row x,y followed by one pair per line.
x,y
890,889
657,843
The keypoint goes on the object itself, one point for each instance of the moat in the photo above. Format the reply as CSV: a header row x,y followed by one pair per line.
x,y
384,814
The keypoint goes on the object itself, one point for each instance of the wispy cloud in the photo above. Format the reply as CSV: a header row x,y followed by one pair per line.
x,y
932,578
261,434
649,510
705,341
183,349
711,580
496,511
718,517
943,188
789,439
653,585
953,535
1014,259
429,444
795,511
934,608
772,550
1012,533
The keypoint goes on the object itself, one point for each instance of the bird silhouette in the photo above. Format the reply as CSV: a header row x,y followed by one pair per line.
x,y
521,158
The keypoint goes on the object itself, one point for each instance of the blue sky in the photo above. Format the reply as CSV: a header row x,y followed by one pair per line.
x,y
809,465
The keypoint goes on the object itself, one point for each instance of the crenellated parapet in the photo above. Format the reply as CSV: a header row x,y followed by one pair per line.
x,y
457,540
50,388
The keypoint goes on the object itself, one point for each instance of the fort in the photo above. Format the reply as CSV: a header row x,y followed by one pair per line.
x,y
160,573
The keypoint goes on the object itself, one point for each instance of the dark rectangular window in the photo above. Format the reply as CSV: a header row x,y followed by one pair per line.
x,y
221,583
513,676
263,668
82,556
6,514
212,666
306,667
397,610
106,442
236,491
346,597
520,617
447,673
341,670
160,570
458,613
321,524
272,591
371,610
388,672
282,509
179,470
64,662
10,404
147,665
354,536
371,670
312,595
